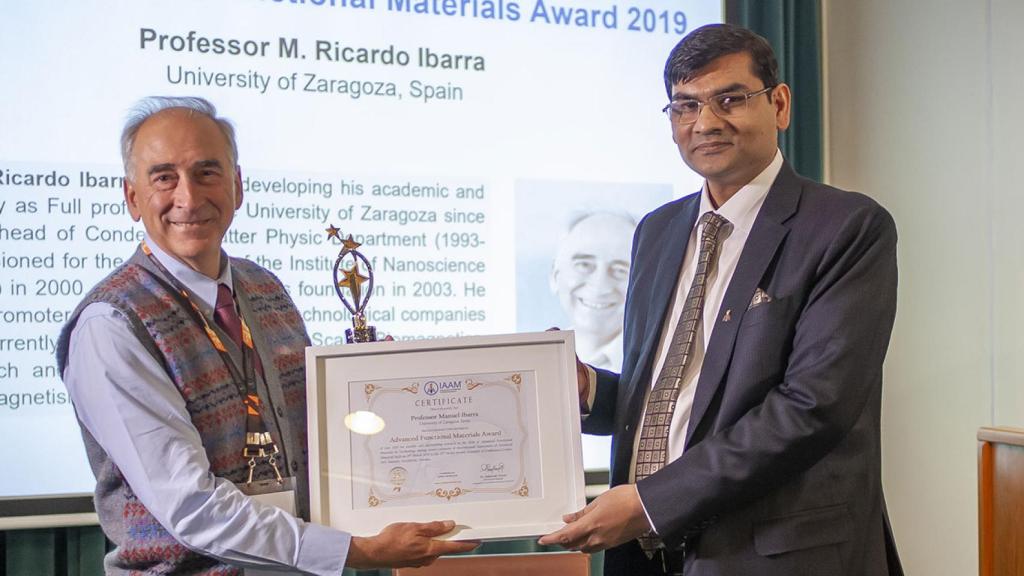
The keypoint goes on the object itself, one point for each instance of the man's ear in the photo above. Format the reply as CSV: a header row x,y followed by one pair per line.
x,y
782,100
238,187
553,279
131,200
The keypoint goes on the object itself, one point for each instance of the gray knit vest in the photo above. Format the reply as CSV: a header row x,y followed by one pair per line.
x,y
158,317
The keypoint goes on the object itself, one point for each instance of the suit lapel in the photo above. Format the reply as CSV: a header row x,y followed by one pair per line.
x,y
765,237
666,276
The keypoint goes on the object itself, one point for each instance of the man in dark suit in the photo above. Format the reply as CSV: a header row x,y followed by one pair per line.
x,y
745,422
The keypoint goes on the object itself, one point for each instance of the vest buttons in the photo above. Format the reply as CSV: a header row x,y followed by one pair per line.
x,y
295,465
280,412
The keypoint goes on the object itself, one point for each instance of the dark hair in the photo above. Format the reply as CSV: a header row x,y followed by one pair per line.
x,y
698,48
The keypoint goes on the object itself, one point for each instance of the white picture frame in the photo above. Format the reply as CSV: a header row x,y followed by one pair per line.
x,y
342,380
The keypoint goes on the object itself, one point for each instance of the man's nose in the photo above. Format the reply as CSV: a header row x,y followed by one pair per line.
x,y
186,194
707,120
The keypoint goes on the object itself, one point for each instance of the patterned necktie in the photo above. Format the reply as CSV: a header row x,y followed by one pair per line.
x,y
652,451
226,316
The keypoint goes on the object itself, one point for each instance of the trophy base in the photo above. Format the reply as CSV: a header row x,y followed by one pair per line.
x,y
367,334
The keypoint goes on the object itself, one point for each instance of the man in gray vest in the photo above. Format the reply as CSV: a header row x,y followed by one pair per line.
x,y
186,369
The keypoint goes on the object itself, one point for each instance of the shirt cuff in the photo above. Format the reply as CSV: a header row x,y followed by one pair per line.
x,y
591,391
644,507
323,550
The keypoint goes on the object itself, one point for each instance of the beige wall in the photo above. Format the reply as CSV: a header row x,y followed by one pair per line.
x,y
1007,120
926,114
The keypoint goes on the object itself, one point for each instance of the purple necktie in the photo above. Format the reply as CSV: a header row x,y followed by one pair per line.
x,y
228,319
226,315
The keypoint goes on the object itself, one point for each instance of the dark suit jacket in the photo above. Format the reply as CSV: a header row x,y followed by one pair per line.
x,y
781,470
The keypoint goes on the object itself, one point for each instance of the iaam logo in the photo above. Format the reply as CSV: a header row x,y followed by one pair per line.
x,y
432,387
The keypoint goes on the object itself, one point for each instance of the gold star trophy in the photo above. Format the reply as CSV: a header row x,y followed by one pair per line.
x,y
350,279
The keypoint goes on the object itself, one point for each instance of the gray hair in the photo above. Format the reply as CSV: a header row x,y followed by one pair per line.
x,y
151,105
576,218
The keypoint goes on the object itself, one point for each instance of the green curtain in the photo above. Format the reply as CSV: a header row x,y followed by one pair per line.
x,y
794,29
76,551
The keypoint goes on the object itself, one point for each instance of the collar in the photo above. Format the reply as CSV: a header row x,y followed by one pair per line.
x,y
741,210
203,287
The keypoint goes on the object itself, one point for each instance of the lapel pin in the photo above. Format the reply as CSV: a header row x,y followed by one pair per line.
x,y
727,316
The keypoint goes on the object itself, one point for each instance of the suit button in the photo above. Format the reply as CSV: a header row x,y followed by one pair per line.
x,y
295,465
628,427
280,412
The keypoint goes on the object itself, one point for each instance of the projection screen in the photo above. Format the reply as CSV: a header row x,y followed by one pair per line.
x,y
471,146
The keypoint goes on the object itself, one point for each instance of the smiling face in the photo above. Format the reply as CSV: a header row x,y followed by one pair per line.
x,y
590,274
183,186
730,152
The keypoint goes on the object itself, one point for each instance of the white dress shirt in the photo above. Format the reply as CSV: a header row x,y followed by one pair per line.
x,y
741,210
131,407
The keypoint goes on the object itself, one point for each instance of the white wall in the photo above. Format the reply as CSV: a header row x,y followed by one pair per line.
x,y
926,109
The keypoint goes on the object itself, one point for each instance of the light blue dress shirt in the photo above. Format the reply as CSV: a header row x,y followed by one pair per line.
x,y
131,407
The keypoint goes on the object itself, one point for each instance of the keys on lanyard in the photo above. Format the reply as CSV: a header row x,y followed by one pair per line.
x,y
258,445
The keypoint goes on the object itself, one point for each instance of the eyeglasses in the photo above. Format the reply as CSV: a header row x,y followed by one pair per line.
x,y
687,111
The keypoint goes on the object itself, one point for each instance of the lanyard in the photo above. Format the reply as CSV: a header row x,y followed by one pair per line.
x,y
258,442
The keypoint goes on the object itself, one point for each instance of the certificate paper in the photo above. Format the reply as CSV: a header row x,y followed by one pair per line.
x,y
466,437
482,430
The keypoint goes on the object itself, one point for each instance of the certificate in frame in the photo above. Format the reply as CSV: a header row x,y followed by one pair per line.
x,y
482,430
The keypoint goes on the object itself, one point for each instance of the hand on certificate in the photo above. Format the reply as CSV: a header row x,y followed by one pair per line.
x,y
615,517
404,544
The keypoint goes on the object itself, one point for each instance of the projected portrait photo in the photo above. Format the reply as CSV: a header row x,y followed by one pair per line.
x,y
588,276
572,259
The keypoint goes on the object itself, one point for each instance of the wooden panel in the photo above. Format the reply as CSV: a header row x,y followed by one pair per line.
x,y
985,508
1001,504
1008,510
1002,435
561,563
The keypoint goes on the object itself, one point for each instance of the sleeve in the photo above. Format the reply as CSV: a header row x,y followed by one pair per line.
x,y
833,369
127,402
600,418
